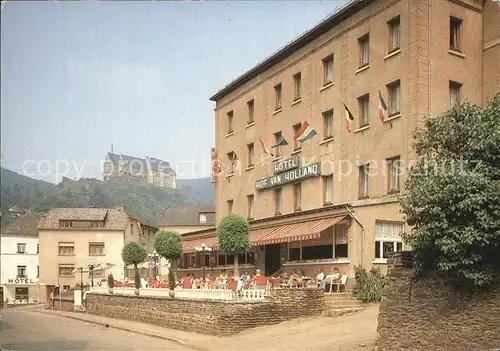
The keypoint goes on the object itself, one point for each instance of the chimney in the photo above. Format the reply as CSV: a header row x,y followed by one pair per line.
x,y
120,207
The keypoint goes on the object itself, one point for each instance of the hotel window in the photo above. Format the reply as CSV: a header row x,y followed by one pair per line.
x,y
277,93
297,84
21,271
328,189
364,50
230,116
66,270
364,103
332,243
455,35
21,248
250,152
454,93
251,106
96,249
364,172
394,34
296,142
393,171
388,238
203,218
297,196
230,206
66,249
132,228
328,124
278,201
250,209
328,70
37,248
277,137
394,90
231,157
37,271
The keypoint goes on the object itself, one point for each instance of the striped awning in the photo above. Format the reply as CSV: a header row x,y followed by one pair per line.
x,y
189,246
308,230
292,232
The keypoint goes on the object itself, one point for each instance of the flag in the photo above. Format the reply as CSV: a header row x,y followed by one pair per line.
x,y
280,142
305,132
264,147
236,162
348,118
382,107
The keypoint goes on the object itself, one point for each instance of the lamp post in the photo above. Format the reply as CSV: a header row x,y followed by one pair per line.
x,y
154,257
203,249
80,269
92,266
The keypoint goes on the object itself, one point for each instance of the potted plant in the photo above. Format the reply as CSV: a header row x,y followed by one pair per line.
x,y
111,283
168,244
133,253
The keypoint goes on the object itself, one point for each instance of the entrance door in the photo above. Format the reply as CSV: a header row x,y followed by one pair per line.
x,y
272,262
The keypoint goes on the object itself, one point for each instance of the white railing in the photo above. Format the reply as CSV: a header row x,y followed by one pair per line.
x,y
204,294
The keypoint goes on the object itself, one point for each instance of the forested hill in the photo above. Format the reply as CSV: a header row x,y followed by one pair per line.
x,y
144,200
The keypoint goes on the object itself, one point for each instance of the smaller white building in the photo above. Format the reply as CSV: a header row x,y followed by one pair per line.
x,y
19,266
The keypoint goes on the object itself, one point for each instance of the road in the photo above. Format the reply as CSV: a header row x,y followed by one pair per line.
x,y
23,329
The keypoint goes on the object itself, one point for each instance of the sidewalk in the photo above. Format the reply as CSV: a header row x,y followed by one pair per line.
x,y
188,339
351,332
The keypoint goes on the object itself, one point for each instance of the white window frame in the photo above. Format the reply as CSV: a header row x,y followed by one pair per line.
x,y
297,86
328,70
21,248
385,235
394,34
203,218
394,89
328,189
364,47
22,268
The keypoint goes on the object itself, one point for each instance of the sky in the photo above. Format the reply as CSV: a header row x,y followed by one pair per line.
x,y
78,77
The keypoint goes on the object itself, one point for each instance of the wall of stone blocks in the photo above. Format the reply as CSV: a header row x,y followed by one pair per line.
x,y
209,316
63,304
429,314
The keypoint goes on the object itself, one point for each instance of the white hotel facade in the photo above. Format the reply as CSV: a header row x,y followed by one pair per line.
x,y
19,266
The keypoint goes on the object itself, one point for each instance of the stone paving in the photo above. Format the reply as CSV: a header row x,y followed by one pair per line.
x,y
357,331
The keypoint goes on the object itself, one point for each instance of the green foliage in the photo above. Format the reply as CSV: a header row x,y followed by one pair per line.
x,y
133,253
453,195
369,284
137,279
168,244
232,231
111,280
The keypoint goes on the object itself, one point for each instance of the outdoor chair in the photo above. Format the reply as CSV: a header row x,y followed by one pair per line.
x,y
341,282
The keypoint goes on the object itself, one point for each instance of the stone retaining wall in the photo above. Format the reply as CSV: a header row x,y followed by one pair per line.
x,y
428,314
209,316
62,304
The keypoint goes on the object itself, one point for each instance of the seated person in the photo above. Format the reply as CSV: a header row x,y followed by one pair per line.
x,y
331,278
320,276
294,279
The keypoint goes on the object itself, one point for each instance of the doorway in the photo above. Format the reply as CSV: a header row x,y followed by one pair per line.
x,y
272,263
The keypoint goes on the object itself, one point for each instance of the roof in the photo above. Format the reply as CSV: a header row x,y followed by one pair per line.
x,y
186,215
23,225
16,209
114,219
154,163
321,28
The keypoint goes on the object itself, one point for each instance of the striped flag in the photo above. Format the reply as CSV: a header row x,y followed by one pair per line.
x,y
305,132
265,149
382,107
280,142
348,118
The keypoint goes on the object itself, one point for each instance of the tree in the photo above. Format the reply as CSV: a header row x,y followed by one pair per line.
x,y
453,194
232,231
168,244
133,253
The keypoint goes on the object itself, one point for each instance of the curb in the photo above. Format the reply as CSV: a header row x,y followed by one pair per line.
x,y
168,338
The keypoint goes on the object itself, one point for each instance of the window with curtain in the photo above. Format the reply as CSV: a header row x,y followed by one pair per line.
x,y
388,238
394,34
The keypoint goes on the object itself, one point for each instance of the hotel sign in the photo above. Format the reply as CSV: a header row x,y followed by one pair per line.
x,y
286,165
291,175
22,281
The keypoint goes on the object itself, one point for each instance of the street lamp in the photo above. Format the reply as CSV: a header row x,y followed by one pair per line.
x,y
154,257
80,269
202,249
92,266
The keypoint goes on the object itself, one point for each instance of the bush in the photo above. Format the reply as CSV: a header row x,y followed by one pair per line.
x,y
111,280
369,284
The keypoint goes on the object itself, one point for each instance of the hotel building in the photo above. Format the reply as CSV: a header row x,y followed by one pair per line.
x,y
332,200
